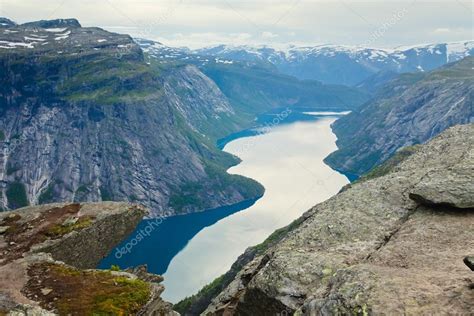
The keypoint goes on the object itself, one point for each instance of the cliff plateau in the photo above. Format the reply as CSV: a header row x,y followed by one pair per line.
x,y
392,244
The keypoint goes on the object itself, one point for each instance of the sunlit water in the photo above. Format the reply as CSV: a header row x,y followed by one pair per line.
x,y
288,161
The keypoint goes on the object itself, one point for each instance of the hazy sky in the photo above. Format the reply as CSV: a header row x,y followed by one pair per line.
x,y
377,23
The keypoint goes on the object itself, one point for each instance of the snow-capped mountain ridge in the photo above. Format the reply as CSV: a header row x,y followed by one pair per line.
x,y
289,51
345,64
328,63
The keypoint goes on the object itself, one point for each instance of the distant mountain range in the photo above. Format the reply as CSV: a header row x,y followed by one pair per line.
x,y
90,115
254,87
334,64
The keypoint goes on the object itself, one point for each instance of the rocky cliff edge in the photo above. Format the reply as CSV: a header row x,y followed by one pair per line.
x,y
389,245
48,255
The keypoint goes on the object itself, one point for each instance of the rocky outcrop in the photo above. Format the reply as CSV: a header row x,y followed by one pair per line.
x,y
85,118
53,23
44,249
372,249
452,187
409,110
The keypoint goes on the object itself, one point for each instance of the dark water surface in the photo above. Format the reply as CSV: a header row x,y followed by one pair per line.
x,y
169,236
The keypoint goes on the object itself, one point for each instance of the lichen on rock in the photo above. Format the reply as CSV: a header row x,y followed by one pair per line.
x,y
372,249
48,256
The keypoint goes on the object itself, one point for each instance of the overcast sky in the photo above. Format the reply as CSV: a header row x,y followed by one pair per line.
x,y
197,23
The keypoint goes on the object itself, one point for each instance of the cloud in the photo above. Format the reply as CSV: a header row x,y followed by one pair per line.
x,y
268,35
442,30
196,40
206,22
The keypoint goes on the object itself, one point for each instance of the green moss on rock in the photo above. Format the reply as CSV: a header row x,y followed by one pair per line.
x,y
90,292
59,230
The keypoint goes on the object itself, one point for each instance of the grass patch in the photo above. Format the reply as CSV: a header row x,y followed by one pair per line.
x,y
77,292
59,230
114,267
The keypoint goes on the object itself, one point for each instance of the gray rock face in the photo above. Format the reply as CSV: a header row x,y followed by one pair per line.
x,y
370,249
409,110
105,225
451,187
53,23
83,117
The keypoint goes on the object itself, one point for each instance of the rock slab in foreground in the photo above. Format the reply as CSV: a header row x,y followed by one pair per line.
x,y
45,249
372,249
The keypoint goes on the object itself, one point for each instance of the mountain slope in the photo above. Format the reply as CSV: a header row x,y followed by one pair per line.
x,y
344,64
390,245
83,117
409,110
257,87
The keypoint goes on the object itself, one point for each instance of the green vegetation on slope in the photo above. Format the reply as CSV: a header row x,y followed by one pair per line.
x,y
16,195
111,81
410,109
210,290
254,90
47,195
389,165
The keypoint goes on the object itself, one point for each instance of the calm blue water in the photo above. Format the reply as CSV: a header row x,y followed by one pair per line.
x,y
168,237
266,119
287,161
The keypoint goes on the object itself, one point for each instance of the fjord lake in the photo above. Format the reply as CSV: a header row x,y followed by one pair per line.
x,y
190,251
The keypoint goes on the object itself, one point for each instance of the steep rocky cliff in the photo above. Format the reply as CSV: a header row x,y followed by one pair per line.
x,y
409,110
392,244
83,117
45,249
